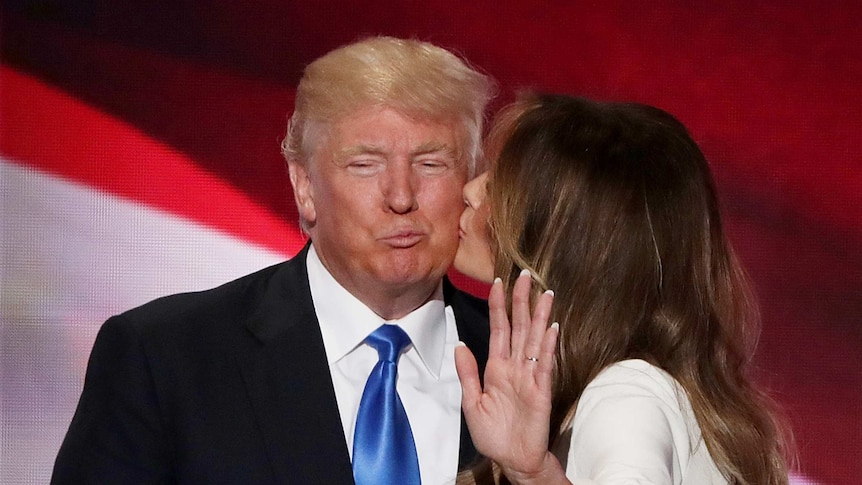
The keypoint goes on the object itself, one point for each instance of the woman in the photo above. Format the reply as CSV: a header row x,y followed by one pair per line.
x,y
612,207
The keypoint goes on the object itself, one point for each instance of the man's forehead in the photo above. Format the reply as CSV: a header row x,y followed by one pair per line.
x,y
384,131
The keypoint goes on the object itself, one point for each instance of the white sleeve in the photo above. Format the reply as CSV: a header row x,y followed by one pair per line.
x,y
626,430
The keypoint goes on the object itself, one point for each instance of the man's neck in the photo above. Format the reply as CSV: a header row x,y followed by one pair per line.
x,y
399,302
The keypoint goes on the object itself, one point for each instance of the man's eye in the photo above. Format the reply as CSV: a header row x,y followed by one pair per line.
x,y
432,166
363,167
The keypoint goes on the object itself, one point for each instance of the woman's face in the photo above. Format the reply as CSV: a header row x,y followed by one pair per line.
x,y
474,257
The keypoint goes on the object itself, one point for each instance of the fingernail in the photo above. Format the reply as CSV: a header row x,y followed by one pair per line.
x,y
497,280
549,292
556,326
525,272
460,344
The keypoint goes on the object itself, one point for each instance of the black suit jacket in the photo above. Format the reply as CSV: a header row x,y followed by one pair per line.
x,y
229,385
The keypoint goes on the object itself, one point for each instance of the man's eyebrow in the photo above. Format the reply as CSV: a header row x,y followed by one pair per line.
x,y
358,150
435,147
423,149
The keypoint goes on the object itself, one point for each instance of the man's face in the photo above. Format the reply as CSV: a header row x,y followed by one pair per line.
x,y
382,196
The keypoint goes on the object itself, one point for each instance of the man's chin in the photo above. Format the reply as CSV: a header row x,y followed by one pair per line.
x,y
404,273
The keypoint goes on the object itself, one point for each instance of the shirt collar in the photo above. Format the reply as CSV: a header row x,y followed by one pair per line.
x,y
345,321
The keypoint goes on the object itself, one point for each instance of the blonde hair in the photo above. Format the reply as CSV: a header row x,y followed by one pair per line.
x,y
612,206
415,78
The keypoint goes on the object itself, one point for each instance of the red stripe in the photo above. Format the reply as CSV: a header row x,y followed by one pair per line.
x,y
46,128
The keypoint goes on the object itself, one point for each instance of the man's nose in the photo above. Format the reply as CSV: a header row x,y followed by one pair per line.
x,y
400,188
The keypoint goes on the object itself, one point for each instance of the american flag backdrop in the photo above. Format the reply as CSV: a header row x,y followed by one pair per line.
x,y
139,156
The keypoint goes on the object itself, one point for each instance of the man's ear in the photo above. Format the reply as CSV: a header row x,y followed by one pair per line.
x,y
302,193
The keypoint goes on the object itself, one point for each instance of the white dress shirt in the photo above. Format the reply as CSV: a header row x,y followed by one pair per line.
x,y
427,382
634,424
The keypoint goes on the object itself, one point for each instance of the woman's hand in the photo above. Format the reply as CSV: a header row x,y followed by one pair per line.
x,y
509,420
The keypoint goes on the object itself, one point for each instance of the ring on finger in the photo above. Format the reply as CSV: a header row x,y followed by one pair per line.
x,y
532,359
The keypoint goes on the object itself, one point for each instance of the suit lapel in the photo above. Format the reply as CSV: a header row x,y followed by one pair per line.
x,y
288,382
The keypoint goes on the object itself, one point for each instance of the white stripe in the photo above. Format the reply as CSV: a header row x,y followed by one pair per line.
x,y
71,257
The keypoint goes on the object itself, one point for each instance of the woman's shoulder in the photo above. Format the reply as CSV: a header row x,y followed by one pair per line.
x,y
636,378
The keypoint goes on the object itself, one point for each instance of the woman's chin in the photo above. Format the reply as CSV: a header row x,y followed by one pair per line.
x,y
474,267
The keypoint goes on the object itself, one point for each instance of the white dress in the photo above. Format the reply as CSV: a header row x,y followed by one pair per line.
x,y
634,425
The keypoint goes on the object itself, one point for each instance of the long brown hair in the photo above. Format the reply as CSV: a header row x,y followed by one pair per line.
x,y
612,206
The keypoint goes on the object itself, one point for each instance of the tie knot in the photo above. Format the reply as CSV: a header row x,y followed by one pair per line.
x,y
389,341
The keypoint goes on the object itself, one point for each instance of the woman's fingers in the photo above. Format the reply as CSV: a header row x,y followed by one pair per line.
x,y
545,365
523,338
498,346
538,325
468,374
521,314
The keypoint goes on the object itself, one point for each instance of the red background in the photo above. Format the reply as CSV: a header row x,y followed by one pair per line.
x,y
771,91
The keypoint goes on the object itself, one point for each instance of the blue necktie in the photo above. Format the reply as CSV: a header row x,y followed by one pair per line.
x,y
383,447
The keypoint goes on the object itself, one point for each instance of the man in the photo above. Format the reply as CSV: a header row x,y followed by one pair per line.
x,y
260,380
